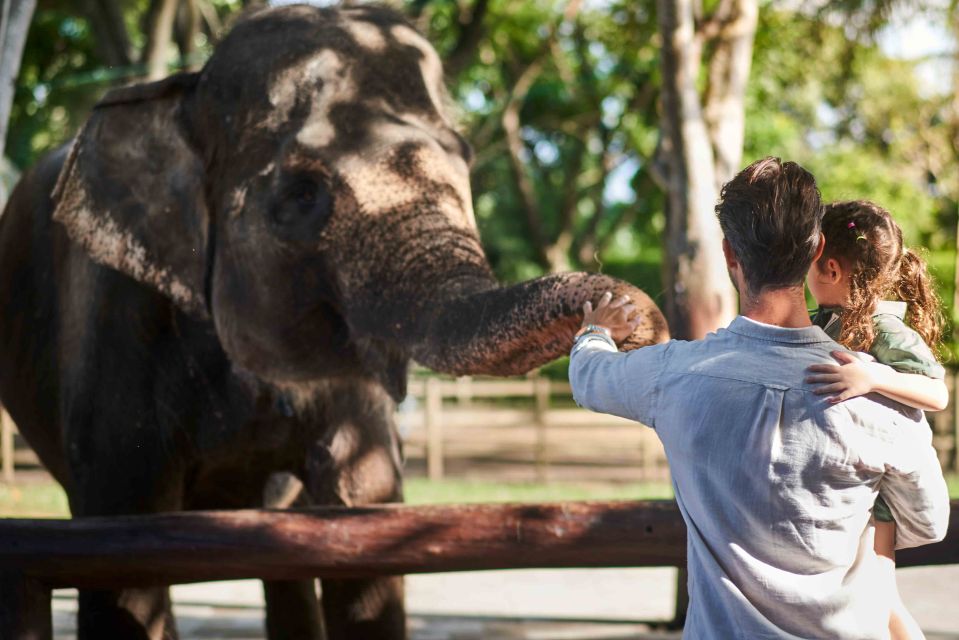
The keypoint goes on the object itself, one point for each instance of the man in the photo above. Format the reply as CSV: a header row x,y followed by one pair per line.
x,y
774,483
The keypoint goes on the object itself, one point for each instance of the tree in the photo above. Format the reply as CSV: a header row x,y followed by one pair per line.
x,y
701,148
15,17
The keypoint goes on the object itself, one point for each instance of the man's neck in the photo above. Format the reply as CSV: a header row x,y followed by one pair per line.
x,y
779,307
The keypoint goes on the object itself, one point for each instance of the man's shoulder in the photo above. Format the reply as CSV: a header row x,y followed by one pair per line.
x,y
725,354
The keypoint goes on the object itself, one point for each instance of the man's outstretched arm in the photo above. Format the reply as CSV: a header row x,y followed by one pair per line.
x,y
605,380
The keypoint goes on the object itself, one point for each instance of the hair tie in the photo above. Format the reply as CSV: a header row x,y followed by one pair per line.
x,y
860,236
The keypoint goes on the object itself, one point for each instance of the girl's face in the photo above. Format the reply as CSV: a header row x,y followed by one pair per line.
x,y
828,282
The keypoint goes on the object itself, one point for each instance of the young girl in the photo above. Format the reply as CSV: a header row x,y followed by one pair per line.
x,y
876,296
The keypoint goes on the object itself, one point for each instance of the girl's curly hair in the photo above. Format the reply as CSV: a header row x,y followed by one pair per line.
x,y
867,242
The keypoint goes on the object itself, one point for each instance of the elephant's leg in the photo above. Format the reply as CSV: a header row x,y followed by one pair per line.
x,y
137,614
293,610
360,463
292,607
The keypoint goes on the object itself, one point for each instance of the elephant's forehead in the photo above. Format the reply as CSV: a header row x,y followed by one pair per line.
x,y
326,78
394,69
400,178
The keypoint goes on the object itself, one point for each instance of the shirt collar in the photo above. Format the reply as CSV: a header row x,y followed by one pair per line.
x,y
743,326
892,307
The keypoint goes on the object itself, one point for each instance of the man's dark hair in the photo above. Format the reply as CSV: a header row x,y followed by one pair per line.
x,y
771,214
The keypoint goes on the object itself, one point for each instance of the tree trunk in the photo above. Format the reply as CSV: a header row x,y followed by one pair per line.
x,y
15,18
699,296
187,28
159,31
726,93
111,41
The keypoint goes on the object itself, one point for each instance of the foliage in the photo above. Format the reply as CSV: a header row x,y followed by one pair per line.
x,y
819,93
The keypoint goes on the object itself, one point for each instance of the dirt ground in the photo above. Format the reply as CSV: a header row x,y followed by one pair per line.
x,y
632,604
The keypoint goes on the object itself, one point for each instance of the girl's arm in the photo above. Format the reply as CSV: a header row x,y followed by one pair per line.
x,y
853,377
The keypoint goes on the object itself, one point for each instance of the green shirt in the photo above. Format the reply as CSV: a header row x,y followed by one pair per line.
x,y
895,345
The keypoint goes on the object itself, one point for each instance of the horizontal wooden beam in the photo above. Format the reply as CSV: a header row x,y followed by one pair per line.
x,y
338,542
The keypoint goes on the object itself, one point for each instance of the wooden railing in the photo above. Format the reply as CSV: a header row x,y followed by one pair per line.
x,y
444,412
38,555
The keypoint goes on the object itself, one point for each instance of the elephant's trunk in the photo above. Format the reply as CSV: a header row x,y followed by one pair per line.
x,y
455,318
510,330
414,278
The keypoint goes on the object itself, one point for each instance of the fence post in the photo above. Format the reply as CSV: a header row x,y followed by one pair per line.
x,y
541,391
955,421
25,611
6,445
464,391
434,429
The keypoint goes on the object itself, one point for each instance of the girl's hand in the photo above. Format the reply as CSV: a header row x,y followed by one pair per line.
x,y
851,378
618,316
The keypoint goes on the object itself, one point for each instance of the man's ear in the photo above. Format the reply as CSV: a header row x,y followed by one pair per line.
x,y
821,247
732,262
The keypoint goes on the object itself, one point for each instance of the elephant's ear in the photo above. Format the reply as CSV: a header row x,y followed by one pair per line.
x,y
131,191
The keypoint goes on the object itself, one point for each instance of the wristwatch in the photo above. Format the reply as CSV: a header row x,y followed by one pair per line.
x,y
592,328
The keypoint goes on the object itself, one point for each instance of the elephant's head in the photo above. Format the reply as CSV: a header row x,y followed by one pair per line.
x,y
308,193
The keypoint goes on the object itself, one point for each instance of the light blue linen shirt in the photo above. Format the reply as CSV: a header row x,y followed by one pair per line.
x,y
775,484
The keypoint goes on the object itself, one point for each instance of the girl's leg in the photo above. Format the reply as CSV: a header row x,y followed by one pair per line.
x,y
902,626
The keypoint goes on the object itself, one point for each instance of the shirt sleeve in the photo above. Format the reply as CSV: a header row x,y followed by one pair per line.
x,y
621,384
914,487
904,350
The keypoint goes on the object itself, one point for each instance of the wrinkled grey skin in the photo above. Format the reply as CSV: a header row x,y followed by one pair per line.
x,y
230,278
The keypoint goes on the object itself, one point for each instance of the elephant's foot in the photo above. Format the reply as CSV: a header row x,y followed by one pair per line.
x,y
134,614
364,609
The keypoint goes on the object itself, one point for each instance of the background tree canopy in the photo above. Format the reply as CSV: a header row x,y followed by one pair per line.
x,y
562,103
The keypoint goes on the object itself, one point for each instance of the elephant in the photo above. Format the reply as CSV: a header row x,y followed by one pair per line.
x,y
225,276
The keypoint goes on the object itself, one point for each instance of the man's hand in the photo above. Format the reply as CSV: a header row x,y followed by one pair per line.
x,y
851,378
618,316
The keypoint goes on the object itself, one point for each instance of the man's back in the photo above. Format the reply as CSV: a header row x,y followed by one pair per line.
x,y
775,484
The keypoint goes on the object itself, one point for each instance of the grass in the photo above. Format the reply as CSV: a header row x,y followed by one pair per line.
x,y
33,500
47,500
423,491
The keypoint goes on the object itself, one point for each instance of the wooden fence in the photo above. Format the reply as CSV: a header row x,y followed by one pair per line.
x,y
39,555
451,411
443,413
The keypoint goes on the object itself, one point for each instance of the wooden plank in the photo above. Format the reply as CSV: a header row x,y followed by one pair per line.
x,y
25,610
6,445
955,414
434,430
541,407
338,542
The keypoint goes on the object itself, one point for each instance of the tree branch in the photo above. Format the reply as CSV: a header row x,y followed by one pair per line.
x,y
470,33
514,143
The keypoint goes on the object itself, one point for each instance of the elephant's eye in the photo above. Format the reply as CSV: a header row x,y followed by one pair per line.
x,y
304,206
